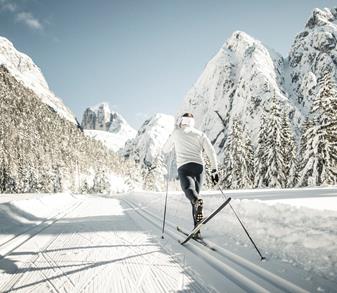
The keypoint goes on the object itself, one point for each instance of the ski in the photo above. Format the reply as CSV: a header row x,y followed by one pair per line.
x,y
204,221
199,240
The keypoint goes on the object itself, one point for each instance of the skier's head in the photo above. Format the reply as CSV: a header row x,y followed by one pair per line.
x,y
187,119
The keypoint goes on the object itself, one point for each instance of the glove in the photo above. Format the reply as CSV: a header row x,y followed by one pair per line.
x,y
215,176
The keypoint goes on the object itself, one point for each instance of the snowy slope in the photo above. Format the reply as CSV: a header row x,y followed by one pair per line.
x,y
244,75
24,70
148,143
100,123
113,141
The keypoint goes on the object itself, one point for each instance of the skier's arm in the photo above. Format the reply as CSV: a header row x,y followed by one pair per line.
x,y
168,146
208,147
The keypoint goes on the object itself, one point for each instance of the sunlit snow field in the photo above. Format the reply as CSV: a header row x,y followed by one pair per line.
x,y
89,238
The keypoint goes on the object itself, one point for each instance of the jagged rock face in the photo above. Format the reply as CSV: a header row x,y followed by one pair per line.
x,y
108,127
147,145
25,71
244,75
313,52
97,118
100,117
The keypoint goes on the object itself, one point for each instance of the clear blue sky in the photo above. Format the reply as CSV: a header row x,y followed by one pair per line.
x,y
140,56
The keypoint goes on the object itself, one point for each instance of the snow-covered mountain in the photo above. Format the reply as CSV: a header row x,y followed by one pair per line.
x,y
239,79
244,75
313,52
24,70
146,146
109,127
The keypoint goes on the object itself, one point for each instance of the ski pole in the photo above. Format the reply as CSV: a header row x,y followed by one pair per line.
x,y
167,183
243,226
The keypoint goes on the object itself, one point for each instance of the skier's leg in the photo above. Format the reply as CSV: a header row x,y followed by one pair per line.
x,y
199,215
187,184
198,181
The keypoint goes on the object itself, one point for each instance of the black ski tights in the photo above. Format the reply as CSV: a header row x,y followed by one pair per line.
x,y
190,176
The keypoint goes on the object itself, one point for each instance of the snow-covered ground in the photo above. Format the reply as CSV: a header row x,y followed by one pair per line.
x,y
94,245
77,243
294,228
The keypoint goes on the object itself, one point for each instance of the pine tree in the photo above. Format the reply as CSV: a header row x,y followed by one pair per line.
x,y
207,180
238,158
101,182
319,149
289,150
153,175
260,159
275,159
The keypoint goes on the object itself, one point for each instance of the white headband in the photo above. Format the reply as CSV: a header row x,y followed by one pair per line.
x,y
189,121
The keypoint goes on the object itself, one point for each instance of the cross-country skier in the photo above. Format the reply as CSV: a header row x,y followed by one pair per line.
x,y
189,143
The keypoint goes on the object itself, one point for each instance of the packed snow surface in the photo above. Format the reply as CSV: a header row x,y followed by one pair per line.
x,y
76,243
95,245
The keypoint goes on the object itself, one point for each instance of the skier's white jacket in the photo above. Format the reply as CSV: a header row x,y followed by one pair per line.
x,y
189,144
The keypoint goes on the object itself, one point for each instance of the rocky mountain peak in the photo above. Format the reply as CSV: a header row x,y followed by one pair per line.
x,y
107,126
100,117
322,17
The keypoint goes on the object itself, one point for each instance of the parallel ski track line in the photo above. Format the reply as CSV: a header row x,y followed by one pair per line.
x,y
31,228
162,277
131,270
19,242
55,266
19,276
45,277
275,280
20,239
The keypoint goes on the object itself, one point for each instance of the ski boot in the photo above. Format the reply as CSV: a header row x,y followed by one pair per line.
x,y
197,236
198,205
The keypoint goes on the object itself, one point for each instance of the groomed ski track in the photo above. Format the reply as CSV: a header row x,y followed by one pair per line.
x,y
238,274
113,245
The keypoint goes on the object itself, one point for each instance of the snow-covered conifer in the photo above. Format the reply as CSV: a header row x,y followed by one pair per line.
x,y
238,158
318,142
275,154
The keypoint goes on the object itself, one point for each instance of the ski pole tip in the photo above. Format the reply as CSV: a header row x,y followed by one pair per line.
x,y
162,236
263,258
